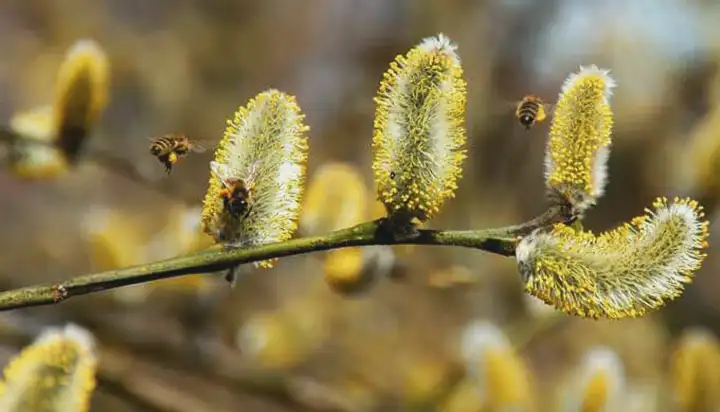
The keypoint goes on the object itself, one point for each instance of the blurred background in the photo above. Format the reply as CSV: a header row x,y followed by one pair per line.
x,y
377,329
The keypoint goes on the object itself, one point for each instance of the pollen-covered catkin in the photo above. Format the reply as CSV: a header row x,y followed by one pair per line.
x,y
624,272
579,144
81,95
55,373
419,137
265,146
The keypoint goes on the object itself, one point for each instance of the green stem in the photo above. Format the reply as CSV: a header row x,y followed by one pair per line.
x,y
500,241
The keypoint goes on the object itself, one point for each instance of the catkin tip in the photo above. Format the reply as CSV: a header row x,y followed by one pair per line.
x,y
419,130
258,174
579,143
624,272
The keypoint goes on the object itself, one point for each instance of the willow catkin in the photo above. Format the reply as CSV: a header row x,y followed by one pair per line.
x,y
499,373
34,156
419,137
695,372
81,94
266,146
336,198
597,384
54,374
579,144
624,272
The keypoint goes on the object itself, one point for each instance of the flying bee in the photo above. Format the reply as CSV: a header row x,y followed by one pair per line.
x,y
531,110
237,192
171,147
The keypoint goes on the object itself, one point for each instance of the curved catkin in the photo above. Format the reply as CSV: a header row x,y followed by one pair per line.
x,y
695,372
56,373
419,137
598,383
81,94
624,272
579,144
266,145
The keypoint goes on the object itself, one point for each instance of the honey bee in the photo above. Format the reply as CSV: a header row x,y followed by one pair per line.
x,y
531,110
237,192
171,147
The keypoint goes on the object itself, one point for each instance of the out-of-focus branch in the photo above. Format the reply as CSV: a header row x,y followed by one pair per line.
x,y
501,241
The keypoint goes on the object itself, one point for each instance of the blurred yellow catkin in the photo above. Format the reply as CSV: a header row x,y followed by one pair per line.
x,y
579,143
39,160
695,372
624,272
501,377
337,198
597,384
54,374
419,138
698,163
264,148
51,138
81,94
280,339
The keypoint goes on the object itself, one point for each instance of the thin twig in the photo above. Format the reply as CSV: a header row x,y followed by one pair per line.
x,y
501,241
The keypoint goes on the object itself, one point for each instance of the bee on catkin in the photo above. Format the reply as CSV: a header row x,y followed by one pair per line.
x,y
54,373
80,97
419,137
695,372
170,148
530,111
257,177
597,385
579,144
624,272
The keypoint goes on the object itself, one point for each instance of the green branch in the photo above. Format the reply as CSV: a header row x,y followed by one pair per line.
x,y
500,241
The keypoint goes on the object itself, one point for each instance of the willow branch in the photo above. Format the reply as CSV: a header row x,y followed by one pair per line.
x,y
500,241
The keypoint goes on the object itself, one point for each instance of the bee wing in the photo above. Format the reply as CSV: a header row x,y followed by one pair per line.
x,y
200,146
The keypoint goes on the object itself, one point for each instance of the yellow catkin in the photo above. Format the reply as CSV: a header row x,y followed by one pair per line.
x,y
81,94
500,375
419,130
337,197
33,157
283,338
265,144
695,372
698,167
597,384
56,373
579,142
345,270
624,272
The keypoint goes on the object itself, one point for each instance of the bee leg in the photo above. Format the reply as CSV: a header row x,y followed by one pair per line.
x,y
231,276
